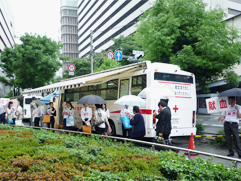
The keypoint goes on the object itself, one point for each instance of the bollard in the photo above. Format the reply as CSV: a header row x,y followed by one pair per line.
x,y
189,155
235,164
153,148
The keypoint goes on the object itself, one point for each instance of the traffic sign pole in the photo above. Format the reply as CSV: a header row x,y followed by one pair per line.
x,y
91,52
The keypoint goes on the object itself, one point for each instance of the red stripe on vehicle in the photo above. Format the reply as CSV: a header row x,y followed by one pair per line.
x,y
116,111
142,111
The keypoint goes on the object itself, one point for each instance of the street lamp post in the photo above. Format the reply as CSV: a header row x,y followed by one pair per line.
x,y
91,52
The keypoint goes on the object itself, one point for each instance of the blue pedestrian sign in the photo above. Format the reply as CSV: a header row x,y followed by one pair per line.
x,y
118,55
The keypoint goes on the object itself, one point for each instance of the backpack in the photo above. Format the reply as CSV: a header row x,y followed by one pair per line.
x,y
99,119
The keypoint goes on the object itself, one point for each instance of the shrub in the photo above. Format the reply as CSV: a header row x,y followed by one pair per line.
x,y
221,140
43,155
200,128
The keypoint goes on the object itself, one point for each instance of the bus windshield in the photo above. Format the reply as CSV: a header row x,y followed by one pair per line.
x,y
173,77
29,100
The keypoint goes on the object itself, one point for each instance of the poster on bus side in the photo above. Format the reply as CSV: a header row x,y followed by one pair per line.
x,y
217,104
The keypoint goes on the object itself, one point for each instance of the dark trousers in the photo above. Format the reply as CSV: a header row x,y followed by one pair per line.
x,y
232,129
2,118
124,131
36,121
51,122
66,127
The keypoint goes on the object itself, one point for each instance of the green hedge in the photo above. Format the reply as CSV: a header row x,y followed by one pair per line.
x,y
27,154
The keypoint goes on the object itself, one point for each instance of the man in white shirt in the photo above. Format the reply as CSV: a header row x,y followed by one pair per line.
x,y
86,115
126,110
231,126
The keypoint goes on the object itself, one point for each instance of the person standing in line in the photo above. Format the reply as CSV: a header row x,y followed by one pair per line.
x,y
68,111
101,129
86,115
231,126
2,115
126,110
163,126
137,121
104,108
52,112
11,112
36,115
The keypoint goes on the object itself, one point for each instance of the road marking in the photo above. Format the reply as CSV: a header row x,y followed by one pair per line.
x,y
216,125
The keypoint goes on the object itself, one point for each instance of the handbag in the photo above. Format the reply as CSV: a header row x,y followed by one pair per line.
x,y
70,121
126,122
10,121
86,129
46,119
99,119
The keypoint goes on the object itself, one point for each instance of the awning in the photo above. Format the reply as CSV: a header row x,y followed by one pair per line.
x,y
47,99
89,79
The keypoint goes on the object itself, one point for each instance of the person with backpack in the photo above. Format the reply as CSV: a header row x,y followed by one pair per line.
x,y
100,118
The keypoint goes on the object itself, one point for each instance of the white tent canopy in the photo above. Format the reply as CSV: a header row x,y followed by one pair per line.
x,y
89,79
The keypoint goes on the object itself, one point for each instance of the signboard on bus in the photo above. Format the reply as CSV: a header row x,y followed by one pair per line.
x,y
217,104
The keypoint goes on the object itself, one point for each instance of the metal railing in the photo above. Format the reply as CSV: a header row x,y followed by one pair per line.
x,y
152,144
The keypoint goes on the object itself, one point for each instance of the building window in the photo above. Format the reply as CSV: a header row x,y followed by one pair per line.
x,y
233,11
236,1
202,102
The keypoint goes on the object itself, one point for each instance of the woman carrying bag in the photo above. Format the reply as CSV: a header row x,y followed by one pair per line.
x,y
86,115
11,112
101,114
52,112
68,111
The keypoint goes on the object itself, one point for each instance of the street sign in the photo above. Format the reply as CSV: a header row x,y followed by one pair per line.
x,y
118,55
71,69
138,53
110,55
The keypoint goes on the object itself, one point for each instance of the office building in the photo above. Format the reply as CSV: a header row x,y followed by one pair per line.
x,y
230,7
108,19
69,30
7,31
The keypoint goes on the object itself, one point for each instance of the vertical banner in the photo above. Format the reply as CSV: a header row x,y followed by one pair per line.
x,y
217,104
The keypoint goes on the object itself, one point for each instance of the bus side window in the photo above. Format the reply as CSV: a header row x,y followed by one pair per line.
x,y
124,87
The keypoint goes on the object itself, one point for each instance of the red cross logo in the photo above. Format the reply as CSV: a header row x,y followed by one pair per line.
x,y
175,108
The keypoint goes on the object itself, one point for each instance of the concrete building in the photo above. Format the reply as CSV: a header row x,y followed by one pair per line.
x,y
231,7
7,32
107,19
69,30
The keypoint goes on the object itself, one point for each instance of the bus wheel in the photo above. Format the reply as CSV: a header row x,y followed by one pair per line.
x,y
112,125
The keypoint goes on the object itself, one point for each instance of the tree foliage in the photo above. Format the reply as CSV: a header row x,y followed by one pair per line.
x,y
82,67
108,64
183,33
32,63
126,45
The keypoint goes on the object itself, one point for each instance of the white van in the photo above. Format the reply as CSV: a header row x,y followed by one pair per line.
x,y
26,106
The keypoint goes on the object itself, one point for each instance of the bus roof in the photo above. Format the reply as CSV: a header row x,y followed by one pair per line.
x,y
90,78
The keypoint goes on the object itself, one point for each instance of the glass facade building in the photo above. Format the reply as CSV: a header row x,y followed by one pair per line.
x,y
69,29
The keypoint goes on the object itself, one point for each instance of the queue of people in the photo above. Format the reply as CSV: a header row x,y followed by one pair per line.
x,y
163,127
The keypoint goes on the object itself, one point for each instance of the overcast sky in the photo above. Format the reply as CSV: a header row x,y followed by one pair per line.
x,y
36,16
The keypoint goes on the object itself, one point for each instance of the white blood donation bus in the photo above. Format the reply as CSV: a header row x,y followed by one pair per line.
x,y
131,80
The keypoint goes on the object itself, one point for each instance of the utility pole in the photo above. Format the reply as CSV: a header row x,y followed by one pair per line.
x,y
91,52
